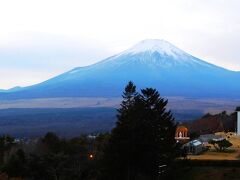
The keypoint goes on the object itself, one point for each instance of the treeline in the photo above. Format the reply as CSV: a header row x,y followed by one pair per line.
x,y
51,157
212,123
142,146
67,122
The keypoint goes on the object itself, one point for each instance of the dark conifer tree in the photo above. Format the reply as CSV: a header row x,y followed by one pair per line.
x,y
158,133
143,138
119,151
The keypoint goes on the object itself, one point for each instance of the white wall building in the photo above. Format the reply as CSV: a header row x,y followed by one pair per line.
x,y
238,121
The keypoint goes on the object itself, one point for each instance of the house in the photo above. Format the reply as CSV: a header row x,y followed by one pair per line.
x,y
193,147
181,133
209,137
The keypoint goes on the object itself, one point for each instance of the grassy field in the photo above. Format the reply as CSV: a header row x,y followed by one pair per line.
x,y
233,153
232,137
211,173
213,155
209,159
180,104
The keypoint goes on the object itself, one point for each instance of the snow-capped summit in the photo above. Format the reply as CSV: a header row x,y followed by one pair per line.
x,y
150,63
155,45
157,54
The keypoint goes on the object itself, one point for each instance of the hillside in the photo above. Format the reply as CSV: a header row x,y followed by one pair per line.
x,y
209,124
150,63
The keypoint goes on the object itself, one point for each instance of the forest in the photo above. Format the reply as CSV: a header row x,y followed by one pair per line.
x,y
141,146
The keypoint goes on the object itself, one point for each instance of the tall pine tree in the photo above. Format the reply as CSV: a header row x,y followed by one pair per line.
x,y
143,138
158,133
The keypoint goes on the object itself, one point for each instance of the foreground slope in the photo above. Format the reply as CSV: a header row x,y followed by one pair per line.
x,y
150,63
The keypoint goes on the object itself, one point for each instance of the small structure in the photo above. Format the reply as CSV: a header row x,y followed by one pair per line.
x,y
209,137
181,133
193,147
238,120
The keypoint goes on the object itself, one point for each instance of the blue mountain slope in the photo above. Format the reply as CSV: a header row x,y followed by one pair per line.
x,y
150,63
14,89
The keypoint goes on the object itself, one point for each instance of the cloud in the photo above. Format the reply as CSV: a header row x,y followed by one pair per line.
x,y
58,35
35,57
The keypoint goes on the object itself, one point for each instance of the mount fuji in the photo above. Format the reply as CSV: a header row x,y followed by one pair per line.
x,y
150,63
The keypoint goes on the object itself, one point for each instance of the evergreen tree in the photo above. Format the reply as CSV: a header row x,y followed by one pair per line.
x,y
143,138
16,166
221,145
119,152
158,133
6,144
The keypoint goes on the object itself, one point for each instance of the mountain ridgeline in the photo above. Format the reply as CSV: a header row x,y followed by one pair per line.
x,y
150,63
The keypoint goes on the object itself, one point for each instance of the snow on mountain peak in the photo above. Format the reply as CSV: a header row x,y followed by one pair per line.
x,y
143,53
155,45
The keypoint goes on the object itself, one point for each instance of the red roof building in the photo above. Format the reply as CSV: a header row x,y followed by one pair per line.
x,y
181,133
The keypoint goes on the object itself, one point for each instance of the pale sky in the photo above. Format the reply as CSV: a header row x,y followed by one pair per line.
x,y
40,39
